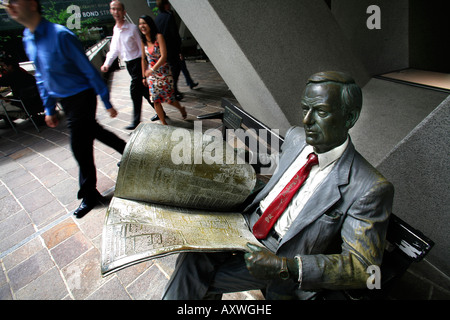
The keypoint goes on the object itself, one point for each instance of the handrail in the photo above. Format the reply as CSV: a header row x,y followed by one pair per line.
x,y
92,51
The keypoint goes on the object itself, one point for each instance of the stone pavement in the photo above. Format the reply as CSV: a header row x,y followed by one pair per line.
x,y
45,252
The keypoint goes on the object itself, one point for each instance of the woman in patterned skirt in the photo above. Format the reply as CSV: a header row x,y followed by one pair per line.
x,y
157,74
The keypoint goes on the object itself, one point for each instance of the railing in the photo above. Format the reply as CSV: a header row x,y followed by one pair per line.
x,y
94,50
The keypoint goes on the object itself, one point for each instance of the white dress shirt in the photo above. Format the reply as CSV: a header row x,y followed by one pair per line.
x,y
126,42
315,178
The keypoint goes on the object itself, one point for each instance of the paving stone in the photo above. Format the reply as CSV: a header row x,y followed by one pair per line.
x,y
149,286
9,206
111,290
60,233
83,275
30,269
47,213
5,292
23,253
49,286
36,199
13,223
16,238
69,250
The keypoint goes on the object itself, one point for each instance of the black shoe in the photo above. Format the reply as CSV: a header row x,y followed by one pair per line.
x,y
131,127
179,96
193,85
156,117
85,207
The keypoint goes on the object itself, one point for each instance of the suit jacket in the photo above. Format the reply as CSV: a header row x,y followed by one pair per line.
x,y
342,228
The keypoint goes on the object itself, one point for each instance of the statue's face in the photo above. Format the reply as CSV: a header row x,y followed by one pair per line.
x,y
323,119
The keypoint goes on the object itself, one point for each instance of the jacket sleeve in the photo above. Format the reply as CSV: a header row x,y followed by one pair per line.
x,y
363,236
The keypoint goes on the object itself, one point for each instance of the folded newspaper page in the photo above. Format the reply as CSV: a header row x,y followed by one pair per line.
x,y
166,201
138,231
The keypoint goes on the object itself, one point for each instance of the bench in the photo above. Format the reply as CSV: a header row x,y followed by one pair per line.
x,y
405,244
256,133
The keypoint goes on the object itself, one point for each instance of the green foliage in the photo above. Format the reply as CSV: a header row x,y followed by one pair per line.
x,y
52,14
61,17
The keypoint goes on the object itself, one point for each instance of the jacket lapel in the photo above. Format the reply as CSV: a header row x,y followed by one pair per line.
x,y
325,196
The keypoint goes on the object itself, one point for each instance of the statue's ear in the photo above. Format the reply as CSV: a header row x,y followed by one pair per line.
x,y
352,117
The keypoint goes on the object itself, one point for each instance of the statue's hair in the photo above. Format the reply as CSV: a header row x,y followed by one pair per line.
x,y
351,94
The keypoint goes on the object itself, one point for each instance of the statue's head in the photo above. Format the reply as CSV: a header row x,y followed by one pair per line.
x,y
331,105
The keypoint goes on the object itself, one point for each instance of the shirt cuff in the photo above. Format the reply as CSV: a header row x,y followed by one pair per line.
x,y
300,270
109,60
107,104
50,111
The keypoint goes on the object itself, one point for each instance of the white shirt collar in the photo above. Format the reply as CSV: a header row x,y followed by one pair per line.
x,y
125,26
327,158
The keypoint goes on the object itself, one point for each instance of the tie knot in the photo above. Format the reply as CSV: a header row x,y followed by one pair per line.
x,y
313,159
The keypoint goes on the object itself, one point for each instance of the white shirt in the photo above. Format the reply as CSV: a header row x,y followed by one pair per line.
x,y
126,42
315,178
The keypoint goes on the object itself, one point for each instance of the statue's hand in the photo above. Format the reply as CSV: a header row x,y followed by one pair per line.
x,y
262,263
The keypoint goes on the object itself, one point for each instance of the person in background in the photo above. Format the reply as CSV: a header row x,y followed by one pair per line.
x,y
23,87
126,43
189,82
165,21
156,72
64,74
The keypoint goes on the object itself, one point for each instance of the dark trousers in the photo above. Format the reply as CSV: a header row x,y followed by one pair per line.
x,y
186,73
137,89
175,67
208,275
80,111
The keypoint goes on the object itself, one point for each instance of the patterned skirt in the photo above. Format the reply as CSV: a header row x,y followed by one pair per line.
x,y
161,86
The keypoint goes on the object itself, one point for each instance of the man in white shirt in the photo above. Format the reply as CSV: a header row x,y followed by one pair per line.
x,y
126,43
334,227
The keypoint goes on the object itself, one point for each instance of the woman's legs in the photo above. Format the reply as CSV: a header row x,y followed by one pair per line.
x,y
177,105
160,112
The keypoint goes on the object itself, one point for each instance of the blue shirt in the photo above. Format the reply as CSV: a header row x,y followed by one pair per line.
x,y
62,67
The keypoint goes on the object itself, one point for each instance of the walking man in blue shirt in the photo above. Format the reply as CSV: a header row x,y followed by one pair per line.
x,y
64,74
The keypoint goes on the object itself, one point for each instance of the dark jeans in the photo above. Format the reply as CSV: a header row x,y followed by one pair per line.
x,y
137,89
80,111
186,73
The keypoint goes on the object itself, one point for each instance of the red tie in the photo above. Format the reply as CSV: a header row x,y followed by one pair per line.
x,y
280,203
